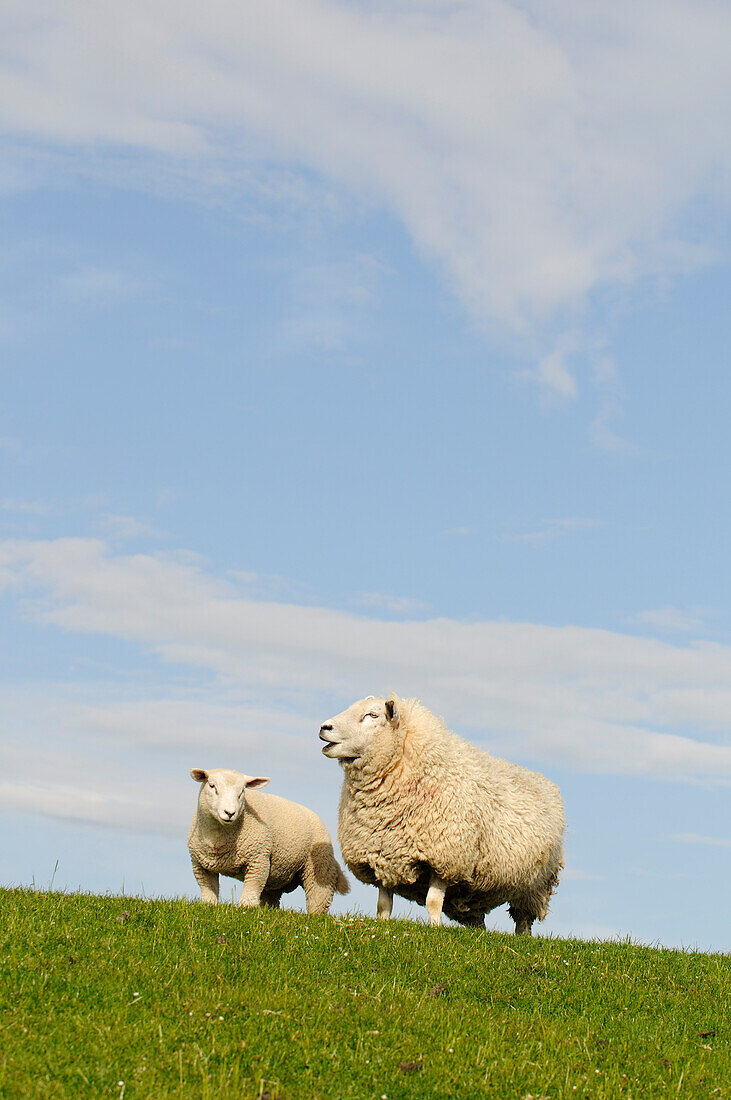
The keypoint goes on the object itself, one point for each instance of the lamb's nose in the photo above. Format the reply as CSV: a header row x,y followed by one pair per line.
x,y
325,726
324,730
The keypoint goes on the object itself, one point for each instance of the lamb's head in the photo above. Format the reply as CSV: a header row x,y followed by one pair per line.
x,y
366,735
222,794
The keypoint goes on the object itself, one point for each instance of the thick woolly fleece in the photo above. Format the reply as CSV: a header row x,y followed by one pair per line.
x,y
272,848
422,800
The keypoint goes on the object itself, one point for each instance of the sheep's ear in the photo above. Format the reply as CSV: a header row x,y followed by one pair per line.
x,y
392,712
258,781
199,774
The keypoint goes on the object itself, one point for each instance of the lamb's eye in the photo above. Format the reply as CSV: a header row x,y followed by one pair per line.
x,y
369,715
212,786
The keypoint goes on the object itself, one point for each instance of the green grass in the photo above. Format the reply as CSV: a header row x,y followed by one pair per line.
x,y
182,1000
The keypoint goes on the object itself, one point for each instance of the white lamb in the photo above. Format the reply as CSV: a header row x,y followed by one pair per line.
x,y
268,843
426,815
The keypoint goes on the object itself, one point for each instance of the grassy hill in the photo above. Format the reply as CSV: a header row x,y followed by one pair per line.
x,y
118,997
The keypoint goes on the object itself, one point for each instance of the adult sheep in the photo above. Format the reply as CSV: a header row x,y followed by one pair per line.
x,y
270,844
426,815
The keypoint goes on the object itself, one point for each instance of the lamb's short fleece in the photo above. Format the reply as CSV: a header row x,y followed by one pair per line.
x,y
268,843
426,815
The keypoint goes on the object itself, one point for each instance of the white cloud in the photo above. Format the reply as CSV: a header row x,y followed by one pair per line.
x,y
535,151
578,875
673,618
83,787
127,527
457,532
28,507
553,372
550,529
330,303
101,285
400,605
590,700
603,435
695,838
602,431
115,755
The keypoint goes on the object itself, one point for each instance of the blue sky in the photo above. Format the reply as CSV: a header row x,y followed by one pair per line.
x,y
348,349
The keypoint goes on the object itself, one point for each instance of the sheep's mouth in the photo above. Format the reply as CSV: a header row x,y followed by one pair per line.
x,y
340,759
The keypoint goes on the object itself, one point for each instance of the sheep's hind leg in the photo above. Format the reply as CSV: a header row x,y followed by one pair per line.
x,y
385,903
435,899
523,921
271,898
473,920
530,907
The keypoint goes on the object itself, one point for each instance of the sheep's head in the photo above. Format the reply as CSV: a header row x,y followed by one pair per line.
x,y
366,735
223,793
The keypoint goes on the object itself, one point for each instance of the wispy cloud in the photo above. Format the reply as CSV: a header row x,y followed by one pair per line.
x,y
400,605
554,374
602,430
695,838
330,303
578,875
557,694
270,586
498,134
688,621
96,776
28,507
100,285
549,529
121,528
457,532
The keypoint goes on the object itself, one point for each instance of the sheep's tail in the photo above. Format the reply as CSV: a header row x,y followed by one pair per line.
x,y
342,886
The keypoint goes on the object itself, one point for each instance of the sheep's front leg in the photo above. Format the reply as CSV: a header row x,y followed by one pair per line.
x,y
385,903
208,882
435,899
255,879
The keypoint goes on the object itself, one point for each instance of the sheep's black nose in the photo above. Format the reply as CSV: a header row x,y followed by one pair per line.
x,y
325,726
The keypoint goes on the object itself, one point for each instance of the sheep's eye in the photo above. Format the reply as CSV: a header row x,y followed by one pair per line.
x,y
212,786
369,715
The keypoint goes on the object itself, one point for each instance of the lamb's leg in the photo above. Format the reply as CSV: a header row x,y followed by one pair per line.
x,y
320,875
435,899
255,879
385,903
208,882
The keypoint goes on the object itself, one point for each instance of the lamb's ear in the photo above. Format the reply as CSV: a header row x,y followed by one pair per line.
x,y
257,781
392,712
199,774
